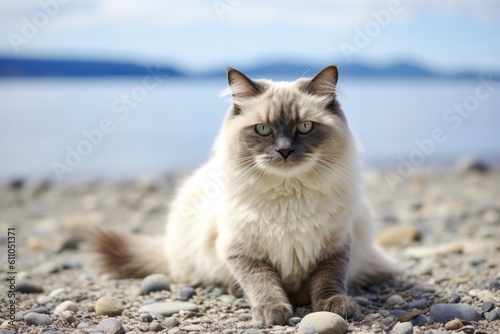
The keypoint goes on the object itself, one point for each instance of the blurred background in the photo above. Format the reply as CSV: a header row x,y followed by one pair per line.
x,y
113,89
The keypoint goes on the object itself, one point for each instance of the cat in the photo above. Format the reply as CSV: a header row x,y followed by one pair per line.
x,y
278,211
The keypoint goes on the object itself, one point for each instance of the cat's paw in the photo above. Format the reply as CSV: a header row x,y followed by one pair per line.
x,y
272,314
343,305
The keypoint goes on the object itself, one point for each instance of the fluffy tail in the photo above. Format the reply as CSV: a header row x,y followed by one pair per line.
x,y
377,267
125,254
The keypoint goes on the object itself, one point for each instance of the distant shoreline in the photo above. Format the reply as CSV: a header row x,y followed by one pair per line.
x,y
13,67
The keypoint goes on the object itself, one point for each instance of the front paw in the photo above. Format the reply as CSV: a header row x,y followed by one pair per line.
x,y
343,305
272,314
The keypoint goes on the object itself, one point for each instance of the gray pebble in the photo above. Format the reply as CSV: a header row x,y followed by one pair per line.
x,y
244,317
227,299
47,268
154,282
395,300
155,326
418,304
252,331
324,323
186,293
362,301
419,320
168,308
446,312
37,319
170,322
26,286
41,309
241,303
454,298
492,315
194,328
488,306
42,299
52,332
216,292
145,317
403,328
110,326
307,330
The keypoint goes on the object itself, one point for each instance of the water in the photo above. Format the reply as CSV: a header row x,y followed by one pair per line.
x,y
146,130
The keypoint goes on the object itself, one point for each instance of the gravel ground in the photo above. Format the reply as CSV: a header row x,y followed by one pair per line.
x,y
444,227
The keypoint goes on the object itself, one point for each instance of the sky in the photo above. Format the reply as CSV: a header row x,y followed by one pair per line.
x,y
447,35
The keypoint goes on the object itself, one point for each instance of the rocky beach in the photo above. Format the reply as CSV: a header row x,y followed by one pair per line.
x,y
442,226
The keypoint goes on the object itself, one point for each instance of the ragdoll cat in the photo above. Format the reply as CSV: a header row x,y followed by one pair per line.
x,y
278,210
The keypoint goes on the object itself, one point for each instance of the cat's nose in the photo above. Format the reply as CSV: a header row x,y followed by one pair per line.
x,y
285,152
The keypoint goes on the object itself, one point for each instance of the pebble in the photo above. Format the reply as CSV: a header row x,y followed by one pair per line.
x,y
170,322
488,306
42,299
399,235
227,299
37,319
492,315
47,268
324,323
110,326
419,304
68,316
447,312
57,293
419,320
168,308
109,306
26,286
395,300
145,317
216,292
426,251
155,326
241,303
403,328
154,282
6,331
194,328
67,305
186,293
10,326
41,309
453,324
52,332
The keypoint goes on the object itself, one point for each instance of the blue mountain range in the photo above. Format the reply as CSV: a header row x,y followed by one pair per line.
x,y
41,67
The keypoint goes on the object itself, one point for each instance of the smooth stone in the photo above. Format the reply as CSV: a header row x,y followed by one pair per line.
x,y
41,309
110,326
145,317
168,308
6,331
399,235
68,316
154,282
67,305
186,293
488,306
57,293
170,322
42,299
194,328
492,315
227,299
426,251
395,300
419,320
109,306
241,303
403,328
324,323
52,332
155,326
47,268
26,286
37,319
216,292
446,312
453,325
7,324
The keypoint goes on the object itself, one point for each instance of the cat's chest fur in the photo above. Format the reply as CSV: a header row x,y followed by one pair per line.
x,y
287,223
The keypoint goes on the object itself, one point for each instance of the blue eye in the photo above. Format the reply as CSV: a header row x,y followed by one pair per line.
x,y
263,130
305,127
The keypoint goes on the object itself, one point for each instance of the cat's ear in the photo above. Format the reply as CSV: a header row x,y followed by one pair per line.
x,y
240,85
324,82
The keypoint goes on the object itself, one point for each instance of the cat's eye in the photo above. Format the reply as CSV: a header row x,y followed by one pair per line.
x,y
263,130
305,127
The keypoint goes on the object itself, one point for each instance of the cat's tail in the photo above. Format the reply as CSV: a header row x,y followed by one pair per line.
x,y
125,254
377,267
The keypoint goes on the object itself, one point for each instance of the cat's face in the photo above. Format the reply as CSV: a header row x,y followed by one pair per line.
x,y
286,128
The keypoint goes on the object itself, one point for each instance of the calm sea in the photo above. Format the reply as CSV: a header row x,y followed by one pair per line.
x,y
122,128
